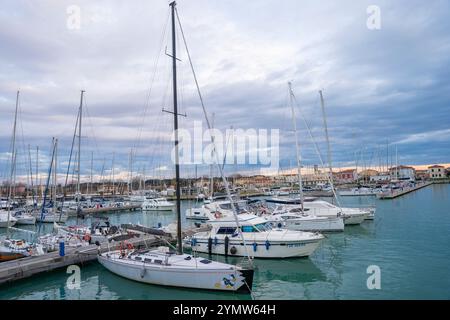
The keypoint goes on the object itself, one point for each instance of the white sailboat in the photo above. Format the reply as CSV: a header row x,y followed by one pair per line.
x,y
163,266
24,218
157,204
6,219
295,219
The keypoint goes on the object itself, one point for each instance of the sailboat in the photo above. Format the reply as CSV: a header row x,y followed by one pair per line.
x,y
11,249
299,217
51,215
167,267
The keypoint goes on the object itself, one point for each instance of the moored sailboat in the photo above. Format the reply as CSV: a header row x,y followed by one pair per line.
x,y
164,266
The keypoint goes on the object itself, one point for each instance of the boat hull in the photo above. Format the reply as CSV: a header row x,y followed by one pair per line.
x,y
157,208
26,221
354,219
177,277
4,224
8,256
52,219
323,225
275,250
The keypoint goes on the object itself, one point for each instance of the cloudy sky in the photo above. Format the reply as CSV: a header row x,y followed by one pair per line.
x,y
384,86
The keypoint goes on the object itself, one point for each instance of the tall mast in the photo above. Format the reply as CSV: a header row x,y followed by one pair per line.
x,y
38,177
326,135
13,162
211,179
91,178
396,163
55,175
297,148
31,173
79,146
112,169
175,128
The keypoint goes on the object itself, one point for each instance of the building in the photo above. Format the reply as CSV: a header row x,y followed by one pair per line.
x,y
402,173
437,172
422,174
345,176
365,175
380,177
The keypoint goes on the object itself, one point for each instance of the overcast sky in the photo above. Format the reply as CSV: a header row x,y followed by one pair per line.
x,y
380,86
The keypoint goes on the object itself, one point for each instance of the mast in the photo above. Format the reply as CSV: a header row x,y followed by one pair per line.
x,y
297,148
79,148
38,177
13,163
211,179
92,167
54,175
113,187
326,135
175,128
31,173
396,163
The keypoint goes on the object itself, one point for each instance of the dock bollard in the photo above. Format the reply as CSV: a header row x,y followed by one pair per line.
x,y
61,248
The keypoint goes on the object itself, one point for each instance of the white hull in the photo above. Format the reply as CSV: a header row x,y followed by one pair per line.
x,y
159,204
276,249
51,218
357,193
4,224
4,220
26,220
354,219
157,208
200,214
174,276
328,224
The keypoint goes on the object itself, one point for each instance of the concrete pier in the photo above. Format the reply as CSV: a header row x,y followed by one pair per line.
x,y
400,192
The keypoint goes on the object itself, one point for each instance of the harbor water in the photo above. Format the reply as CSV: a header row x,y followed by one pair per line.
x,y
408,240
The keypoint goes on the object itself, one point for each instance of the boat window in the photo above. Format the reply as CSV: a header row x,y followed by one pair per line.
x,y
148,260
205,261
248,229
157,261
226,230
226,206
138,258
263,227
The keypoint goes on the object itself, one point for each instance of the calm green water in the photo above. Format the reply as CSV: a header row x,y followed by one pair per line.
x,y
409,240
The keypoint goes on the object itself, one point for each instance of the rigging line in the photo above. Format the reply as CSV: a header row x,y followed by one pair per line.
x,y
155,68
316,147
224,180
